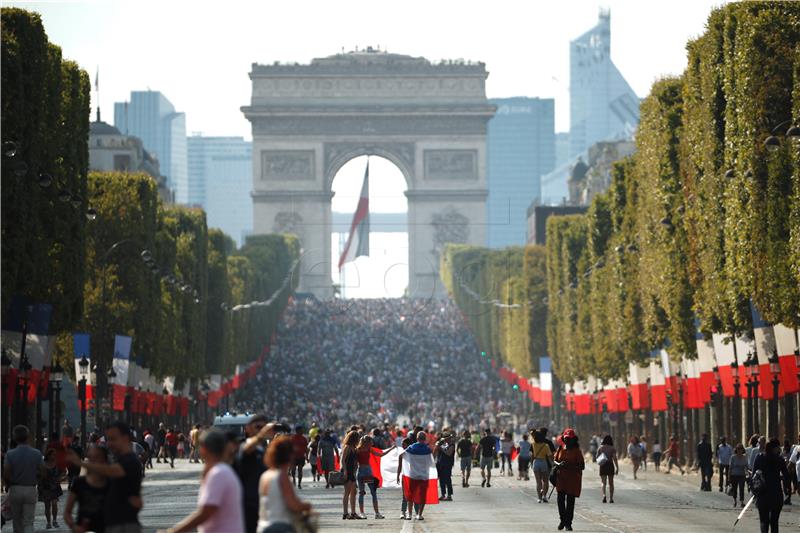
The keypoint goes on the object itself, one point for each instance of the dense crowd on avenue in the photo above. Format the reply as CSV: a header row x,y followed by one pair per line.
x,y
351,387
341,362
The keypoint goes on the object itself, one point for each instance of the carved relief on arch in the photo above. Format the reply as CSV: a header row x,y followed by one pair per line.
x,y
339,153
449,226
288,222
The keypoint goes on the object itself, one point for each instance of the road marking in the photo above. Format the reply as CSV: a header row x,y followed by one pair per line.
x,y
610,528
408,526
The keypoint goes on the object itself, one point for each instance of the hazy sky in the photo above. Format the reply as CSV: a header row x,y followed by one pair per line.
x,y
198,53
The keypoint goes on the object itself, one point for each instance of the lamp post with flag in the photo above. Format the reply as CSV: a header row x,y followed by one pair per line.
x,y
83,371
56,377
775,370
751,386
736,406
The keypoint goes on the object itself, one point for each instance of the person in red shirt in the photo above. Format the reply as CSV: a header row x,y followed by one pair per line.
x,y
674,453
300,444
171,439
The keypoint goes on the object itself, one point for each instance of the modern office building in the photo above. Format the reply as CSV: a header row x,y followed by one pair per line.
x,y
152,118
520,149
602,105
220,181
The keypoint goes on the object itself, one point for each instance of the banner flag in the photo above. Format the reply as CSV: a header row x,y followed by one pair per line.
x,y
545,382
658,387
638,377
120,364
786,344
765,346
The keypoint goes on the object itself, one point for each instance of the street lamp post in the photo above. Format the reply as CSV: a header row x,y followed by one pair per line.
x,y
83,373
748,368
56,377
22,390
756,384
6,366
775,369
112,378
736,417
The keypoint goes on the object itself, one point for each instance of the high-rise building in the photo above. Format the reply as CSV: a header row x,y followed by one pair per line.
x,y
220,181
602,105
520,149
152,118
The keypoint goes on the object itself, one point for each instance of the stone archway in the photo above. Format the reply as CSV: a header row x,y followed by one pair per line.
x,y
428,119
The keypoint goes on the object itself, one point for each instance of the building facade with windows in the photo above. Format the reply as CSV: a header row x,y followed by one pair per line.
x,y
220,181
602,106
520,149
151,117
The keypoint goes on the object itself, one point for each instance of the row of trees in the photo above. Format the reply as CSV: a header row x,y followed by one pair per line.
x,y
502,295
78,240
178,305
701,221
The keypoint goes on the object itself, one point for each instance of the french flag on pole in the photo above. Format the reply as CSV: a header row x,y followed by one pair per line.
x,y
420,479
358,239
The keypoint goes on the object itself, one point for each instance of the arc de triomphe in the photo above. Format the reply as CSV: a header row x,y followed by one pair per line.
x,y
428,119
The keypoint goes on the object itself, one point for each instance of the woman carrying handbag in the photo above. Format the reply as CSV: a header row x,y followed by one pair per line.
x,y
570,465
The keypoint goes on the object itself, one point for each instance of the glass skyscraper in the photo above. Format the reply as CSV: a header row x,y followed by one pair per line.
x,y
151,117
520,149
602,105
220,181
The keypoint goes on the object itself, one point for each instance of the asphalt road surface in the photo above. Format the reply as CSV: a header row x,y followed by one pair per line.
x,y
653,503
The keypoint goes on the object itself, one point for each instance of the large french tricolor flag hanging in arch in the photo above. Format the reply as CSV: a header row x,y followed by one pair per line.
x,y
358,239
420,478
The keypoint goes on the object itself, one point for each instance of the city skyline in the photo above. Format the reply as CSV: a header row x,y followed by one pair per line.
x,y
242,40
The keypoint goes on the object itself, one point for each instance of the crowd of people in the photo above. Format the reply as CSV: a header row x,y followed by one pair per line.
x,y
340,362
251,483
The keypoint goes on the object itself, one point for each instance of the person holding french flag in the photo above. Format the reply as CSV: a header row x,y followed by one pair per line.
x,y
419,475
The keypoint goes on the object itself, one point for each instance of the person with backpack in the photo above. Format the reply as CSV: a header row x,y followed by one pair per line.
x,y
769,483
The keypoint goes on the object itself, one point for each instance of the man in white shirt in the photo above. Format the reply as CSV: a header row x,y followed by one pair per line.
x,y
723,453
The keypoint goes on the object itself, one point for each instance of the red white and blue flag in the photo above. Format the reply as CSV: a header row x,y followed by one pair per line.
x,y
358,239
420,480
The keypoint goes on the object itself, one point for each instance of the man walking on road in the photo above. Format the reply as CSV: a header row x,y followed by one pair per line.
x,y
249,465
488,449
218,502
465,453
20,473
724,453
705,461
